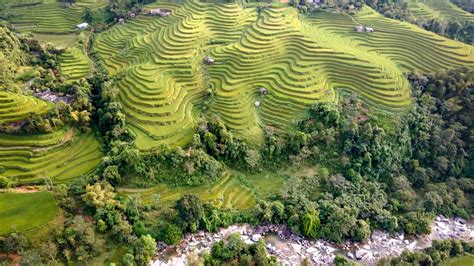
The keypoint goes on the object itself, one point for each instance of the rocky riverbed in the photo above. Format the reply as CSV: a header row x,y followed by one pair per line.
x,y
291,249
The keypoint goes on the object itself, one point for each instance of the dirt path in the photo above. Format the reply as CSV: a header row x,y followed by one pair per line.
x,y
67,138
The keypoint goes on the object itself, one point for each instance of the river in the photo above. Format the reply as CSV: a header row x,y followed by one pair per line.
x,y
291,249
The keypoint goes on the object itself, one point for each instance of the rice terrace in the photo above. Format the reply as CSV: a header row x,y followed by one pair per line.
x,y
129,126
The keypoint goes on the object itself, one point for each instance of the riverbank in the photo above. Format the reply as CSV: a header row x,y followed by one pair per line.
x,y
291,249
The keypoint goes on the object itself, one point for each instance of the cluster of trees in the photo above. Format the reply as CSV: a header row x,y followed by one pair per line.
x,y
457,30
439,251
77,114
235,252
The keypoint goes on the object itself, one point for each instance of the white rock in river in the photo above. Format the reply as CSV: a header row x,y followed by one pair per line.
x,y
350,255
297,248
360,254
256,237
311,250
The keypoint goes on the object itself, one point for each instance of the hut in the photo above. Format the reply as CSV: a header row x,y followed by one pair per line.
x,y
209,60
82,26
257,103
359,28
369,29
121,21
263,91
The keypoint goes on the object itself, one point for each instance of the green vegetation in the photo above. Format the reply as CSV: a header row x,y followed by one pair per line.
x,y
25,211
460,261
235,251
228,192
159,110
66,156
74,64
15,106
147,128
440,253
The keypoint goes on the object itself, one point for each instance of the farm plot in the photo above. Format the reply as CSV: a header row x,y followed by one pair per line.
x,y
23,211
228,192
160,68
406,45
74,64
438,9
15,106
162,80
61,156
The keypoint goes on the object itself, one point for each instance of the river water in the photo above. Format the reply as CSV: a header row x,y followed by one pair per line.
x,y
292,250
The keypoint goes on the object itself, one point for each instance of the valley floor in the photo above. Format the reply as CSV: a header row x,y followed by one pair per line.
x,y
292,250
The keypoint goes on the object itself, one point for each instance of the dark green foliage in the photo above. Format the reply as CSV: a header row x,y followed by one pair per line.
x,y
169,233
141,250
14,242
235,252
441,250
4,182
78,240
190,212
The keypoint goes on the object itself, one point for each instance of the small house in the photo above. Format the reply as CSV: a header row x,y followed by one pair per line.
x,y
257,103
209,60
359,28
132,15
263,91
82,26
121,21
369,29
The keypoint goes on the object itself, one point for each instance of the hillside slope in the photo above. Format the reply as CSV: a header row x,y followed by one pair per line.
x,y
299,60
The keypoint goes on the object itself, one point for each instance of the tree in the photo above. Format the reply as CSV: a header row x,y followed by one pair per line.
x,y
169,233
311,224
190,212
30,257
143,249
4,182
14,242
361,232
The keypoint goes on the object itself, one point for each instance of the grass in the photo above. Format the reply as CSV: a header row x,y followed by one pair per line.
x,y
25,211
59,41
228,192
162,80
464,260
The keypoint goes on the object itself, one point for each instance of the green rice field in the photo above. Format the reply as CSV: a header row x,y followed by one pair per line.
x,y
61,155
25,211
162,80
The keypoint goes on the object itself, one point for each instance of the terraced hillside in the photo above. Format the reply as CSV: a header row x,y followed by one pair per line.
x,y
15,106
409,47
74,64
226,193
162,78
61,155
160,62
48,16
438,9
